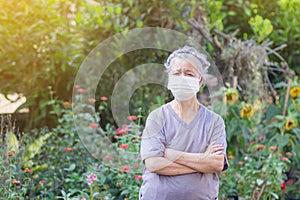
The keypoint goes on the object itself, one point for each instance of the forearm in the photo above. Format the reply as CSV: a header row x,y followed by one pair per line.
x,y
163,166
198,161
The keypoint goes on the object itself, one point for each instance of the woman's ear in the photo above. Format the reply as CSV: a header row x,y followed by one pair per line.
x,y
201,81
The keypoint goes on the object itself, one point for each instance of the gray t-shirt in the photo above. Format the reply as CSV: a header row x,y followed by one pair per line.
x,y
165,129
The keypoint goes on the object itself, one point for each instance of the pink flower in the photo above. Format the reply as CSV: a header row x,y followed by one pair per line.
x,y
240,163
93,125
68,149
80,90
107,158
284,159
103,98
132,117
91,178
92,100
15,181
289,154
125,168
116,137
43,181
124,146
123,130
138,177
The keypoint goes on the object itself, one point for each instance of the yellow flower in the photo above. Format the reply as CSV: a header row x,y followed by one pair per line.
x,y
295,91
231,97
246,111
290,123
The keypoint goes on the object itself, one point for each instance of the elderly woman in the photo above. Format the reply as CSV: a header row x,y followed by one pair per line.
x,y
184,143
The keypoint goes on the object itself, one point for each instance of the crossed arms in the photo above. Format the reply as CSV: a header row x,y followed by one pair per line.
x,y
178,162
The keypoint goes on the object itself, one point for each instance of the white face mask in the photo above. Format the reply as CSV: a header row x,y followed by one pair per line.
x,y
182,87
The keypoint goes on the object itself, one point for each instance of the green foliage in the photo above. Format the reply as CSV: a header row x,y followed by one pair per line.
x,y
261,27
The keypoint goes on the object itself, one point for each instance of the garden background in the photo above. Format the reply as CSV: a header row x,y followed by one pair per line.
x,y
255,45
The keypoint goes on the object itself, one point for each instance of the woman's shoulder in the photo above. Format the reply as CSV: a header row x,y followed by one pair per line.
x,y
215,117
158,112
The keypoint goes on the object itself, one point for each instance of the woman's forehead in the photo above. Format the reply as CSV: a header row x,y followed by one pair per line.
x,y
180,63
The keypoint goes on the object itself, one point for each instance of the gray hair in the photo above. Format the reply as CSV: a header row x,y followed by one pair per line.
x,y
185,52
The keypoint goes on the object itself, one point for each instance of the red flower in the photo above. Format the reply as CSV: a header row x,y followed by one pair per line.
x,y
124,146
283,186
138,177
27,170
103,98
68,149
80,90
92,100
125,168
93,125
66,104
132,117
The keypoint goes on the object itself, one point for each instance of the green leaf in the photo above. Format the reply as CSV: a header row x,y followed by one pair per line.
x,y
71,168
34,148
12,142
283,140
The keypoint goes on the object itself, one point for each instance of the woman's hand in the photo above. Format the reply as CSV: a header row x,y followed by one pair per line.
x,y
212,149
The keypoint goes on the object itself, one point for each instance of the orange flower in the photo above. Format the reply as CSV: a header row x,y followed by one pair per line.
x,y
279,155
66,104
273,148
261,146
230,157
92,100
10,153
14,181
138,177
93,125
124,146
68,149
240,163
103,98
132,117
288,154
27,170
125,168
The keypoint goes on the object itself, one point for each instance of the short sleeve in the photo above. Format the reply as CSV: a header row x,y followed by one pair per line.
x,y
153,139
219,135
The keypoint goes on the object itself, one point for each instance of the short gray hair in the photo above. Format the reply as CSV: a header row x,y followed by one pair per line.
x,y
184,53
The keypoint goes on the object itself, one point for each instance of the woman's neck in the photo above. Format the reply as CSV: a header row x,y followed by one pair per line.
x,y
186,109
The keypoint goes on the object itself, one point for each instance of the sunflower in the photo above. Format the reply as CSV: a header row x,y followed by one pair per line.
x,y
246,111
295,91
231,97
290,123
